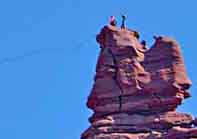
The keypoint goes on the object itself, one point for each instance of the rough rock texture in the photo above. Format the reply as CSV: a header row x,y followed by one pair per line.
x,y
137,90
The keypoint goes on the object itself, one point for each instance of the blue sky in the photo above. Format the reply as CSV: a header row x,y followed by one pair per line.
x,y
48,55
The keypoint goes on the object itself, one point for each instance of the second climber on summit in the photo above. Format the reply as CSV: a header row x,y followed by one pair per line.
x,y
123,21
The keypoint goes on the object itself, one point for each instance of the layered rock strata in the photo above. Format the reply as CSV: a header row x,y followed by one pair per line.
x,y
137,90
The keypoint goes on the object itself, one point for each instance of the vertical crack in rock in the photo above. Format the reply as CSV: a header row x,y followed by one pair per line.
x,y
116,78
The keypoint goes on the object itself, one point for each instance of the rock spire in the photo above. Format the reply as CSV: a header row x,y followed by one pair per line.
x,y
137,90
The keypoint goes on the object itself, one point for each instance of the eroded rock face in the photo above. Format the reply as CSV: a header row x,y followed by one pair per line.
x,y
137,90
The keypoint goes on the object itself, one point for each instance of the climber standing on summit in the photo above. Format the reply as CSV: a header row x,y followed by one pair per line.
x,y
112,21
123,22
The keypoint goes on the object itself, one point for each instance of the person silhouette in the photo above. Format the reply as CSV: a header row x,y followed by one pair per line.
x,y
143,43
123,22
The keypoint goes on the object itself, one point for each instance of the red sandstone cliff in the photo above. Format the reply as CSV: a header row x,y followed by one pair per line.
x,y
136,91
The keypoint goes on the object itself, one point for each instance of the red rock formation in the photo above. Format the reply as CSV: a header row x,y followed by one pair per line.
x,y
136,91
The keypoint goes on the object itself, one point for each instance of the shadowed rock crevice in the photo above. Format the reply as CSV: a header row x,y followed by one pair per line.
x,y
116,79
137,90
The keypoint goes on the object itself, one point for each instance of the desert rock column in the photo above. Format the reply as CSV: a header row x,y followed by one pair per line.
x,y
136,91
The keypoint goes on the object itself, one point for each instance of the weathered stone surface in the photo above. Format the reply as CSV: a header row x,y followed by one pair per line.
x,y
134,104
136,90
181,133
120,136
128,45
165,64
195,122
166,120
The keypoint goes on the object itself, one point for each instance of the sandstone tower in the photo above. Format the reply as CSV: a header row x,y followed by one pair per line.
x,y
137,90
